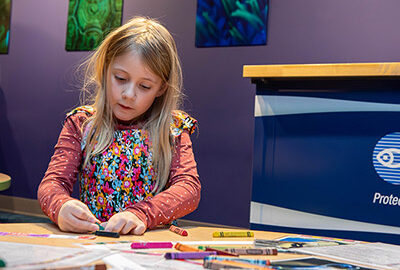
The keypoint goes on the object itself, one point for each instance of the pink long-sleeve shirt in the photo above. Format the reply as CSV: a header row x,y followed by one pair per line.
x,y
181,196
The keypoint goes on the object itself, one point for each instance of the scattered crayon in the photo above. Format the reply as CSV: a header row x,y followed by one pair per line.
x,y
222,252
98,266
253,251
178,230
233,234
214,264
182,247
188,255
245,260
267,243
107,234
142,245
217,247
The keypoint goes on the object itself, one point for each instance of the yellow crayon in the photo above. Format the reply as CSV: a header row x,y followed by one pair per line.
x,y
233,234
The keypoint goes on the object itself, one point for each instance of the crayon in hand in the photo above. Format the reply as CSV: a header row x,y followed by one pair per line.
x,y
233,234
101,228
178,230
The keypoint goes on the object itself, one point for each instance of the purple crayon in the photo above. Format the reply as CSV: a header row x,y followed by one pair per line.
x,y
188,255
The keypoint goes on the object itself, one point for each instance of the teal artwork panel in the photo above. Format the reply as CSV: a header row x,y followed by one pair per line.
x,y
231,23
5,8
89,21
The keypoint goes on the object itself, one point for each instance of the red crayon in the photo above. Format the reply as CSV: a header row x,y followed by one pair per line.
x,y
178,230
221,252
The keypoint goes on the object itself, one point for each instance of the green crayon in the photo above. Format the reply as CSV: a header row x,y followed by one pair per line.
x,y
101,228
2,263
214,247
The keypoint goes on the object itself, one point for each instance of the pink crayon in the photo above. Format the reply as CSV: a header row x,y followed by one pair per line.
x,y
151,245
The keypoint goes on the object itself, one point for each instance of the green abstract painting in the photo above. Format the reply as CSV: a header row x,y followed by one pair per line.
x,y
5,7
89,21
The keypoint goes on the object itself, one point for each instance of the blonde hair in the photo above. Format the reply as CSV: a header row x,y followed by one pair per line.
x,y
157,48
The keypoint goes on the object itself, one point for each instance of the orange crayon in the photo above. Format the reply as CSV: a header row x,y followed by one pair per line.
x,y
178,230
182,247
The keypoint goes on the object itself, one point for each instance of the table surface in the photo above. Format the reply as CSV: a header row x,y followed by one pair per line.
x,y
159,234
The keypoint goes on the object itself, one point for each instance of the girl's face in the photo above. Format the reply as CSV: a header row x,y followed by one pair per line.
x,y
131,87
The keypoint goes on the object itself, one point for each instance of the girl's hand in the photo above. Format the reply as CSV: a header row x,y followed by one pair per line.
x,y
125,222
75,216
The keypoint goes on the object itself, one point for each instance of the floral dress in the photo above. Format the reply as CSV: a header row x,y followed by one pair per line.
x,y
122,174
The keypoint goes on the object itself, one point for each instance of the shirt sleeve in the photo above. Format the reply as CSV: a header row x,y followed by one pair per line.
x,y
182,195
57,184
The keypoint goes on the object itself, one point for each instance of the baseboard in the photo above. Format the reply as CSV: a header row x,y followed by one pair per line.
x,y
19,205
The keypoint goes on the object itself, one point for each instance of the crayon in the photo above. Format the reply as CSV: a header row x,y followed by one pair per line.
x,y
107,234
253,251
188,255
142,245
101,228
174,222
214,264
245,260
178,230
267,243
182,247
233,234
217,247
2,263
99,266
222,252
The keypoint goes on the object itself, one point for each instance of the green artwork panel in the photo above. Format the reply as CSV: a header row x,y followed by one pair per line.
x,y
5,7
89,21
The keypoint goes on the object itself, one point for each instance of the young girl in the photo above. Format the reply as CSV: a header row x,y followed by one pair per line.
x,y
130,149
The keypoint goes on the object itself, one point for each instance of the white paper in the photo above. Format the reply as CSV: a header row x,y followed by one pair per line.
x,y
122,261
27,256
371,254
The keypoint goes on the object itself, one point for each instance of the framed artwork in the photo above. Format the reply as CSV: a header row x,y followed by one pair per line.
x,y
231,23
90,21
5,11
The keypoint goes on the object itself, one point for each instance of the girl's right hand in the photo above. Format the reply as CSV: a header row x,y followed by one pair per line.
x,y
75,216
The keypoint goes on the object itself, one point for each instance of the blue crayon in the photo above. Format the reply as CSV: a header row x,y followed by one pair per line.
x,y
244,260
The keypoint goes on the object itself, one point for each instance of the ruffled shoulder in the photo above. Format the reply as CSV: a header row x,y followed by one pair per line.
x,y
85,109
182,121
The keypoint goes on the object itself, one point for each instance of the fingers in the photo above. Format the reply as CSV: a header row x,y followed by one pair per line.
x,y
82,226
74,216
83,222
139,230
126,223
84,215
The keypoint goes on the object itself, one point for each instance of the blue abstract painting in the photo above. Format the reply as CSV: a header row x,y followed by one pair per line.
x,y
231,23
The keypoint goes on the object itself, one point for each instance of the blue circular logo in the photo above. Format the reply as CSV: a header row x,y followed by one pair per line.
x,y
386,158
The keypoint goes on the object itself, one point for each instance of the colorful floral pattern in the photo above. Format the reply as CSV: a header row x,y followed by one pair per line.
x,y
123,174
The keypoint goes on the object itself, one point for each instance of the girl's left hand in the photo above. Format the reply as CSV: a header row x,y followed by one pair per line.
x,y
125,223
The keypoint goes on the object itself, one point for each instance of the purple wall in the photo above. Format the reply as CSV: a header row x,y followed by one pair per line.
x,y
38,86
